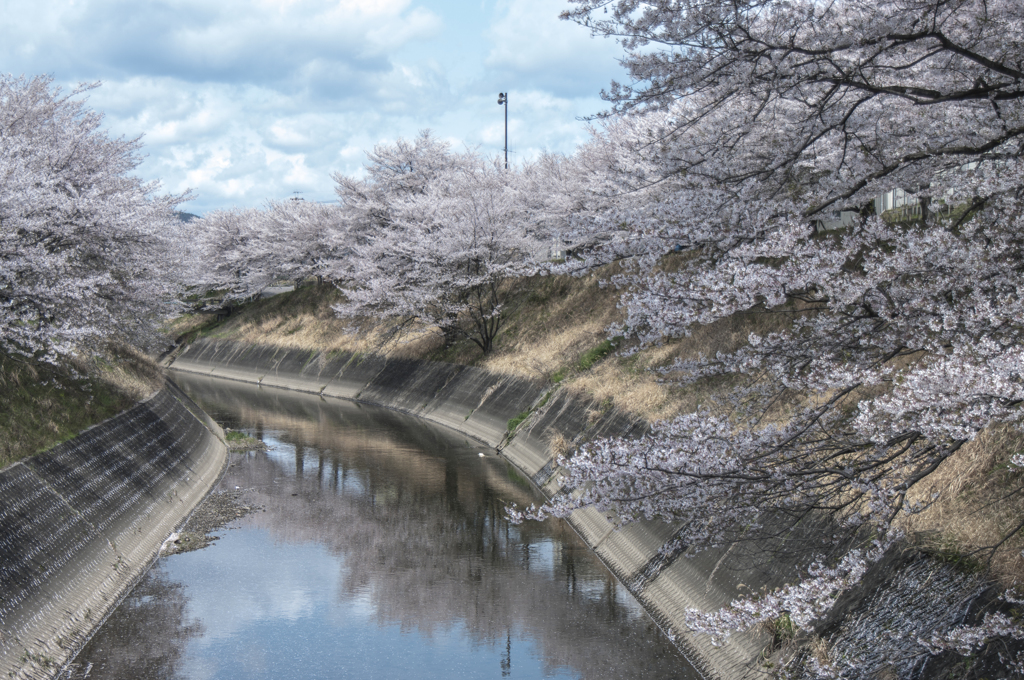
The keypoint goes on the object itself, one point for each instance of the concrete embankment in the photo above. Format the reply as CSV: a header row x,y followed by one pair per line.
x,y
480,404
81,523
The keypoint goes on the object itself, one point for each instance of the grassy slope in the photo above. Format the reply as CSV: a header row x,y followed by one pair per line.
x,y
556,333
45,404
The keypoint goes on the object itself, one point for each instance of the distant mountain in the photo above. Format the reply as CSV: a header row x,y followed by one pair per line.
x,y
186,217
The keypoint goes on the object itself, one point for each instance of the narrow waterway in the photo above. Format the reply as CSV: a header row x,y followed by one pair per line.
x,y
379,550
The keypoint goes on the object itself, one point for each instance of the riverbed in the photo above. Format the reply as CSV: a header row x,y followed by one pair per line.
x,y
378,548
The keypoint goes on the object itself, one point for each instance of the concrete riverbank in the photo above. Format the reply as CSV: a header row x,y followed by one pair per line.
x,y
480,404
81,523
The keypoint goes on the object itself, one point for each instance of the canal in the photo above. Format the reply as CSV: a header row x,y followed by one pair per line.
x,y
378,548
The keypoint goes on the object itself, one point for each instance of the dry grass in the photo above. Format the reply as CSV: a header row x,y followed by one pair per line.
x,y
303,319
186,325
979,501
563,317
560,446
311,332
127,371
634,392
555,320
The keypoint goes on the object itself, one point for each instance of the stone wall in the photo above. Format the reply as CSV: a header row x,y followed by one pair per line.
x,y
82,522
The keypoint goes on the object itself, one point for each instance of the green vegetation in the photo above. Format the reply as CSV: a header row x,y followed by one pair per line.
x,y
517,421
595,354
781,628
951,552
965,563
239,441
47,404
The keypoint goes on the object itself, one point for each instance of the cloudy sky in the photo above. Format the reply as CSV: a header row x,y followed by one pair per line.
x,y
248,100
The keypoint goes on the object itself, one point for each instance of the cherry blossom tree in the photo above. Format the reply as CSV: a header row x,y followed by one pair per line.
x,y
435,237
395,172
240,252
246,250
87,251
311,235
746,126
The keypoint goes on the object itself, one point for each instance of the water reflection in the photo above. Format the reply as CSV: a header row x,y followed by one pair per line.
x,y
146,638
382,552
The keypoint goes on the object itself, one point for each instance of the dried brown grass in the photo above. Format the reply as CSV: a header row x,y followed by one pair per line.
x,y
304,319
567,316
554,320
127,370
559,445
634,392
980,500
312,332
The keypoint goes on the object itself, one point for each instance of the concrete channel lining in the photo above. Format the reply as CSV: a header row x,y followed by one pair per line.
x,y
480,404
82,522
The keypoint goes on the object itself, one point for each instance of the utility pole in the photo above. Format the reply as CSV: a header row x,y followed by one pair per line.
x,y
503,99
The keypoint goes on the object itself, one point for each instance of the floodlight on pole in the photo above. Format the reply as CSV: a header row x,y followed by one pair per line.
x,y
503,99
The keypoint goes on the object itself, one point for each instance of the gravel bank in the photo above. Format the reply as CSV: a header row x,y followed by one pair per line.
x,y
218,509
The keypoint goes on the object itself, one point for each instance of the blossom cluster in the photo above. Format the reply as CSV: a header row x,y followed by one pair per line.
x,y
87,250
759,141
802,603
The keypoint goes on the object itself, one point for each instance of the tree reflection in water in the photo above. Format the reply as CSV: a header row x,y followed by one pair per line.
x,y
145,637
417,523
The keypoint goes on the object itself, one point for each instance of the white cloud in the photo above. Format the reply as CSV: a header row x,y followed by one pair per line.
x,y
272,588
285,133
246,101
530,43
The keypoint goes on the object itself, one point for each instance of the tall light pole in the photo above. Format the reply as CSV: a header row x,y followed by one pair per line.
x,y
503,99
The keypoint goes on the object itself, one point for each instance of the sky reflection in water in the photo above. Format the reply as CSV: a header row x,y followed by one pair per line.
x,y
382,552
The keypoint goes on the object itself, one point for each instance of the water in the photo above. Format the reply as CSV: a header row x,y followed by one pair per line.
x,y
380,551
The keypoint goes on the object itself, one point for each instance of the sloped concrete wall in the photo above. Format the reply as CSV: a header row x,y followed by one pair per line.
x,y
81,523
480,404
